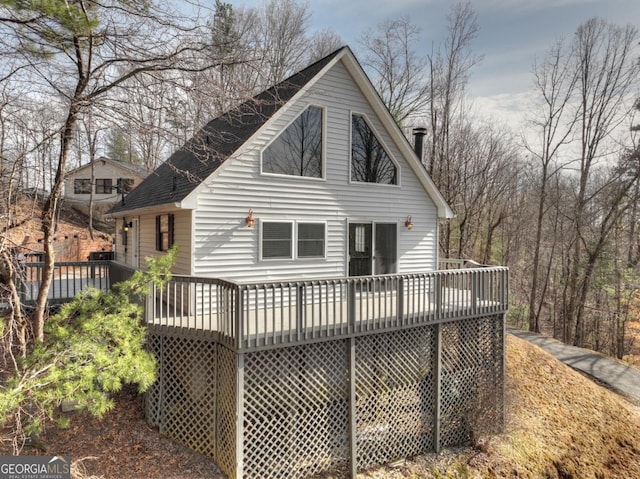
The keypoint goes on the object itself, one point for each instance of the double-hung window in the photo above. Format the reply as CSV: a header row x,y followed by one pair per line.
x,y
277,240
311,240
82,186
293,240
103,186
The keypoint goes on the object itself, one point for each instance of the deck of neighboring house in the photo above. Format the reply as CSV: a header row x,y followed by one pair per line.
x,y
69,278
290,379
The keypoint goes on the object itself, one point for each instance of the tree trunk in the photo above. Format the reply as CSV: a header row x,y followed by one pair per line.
x,y
534,317
50,221
16,321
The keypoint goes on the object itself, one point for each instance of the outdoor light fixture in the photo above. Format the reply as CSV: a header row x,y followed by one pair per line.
x,y
408,223
250,220
126,226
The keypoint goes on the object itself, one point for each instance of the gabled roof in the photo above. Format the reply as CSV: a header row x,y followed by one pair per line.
x,y
177,177
136,169
185,170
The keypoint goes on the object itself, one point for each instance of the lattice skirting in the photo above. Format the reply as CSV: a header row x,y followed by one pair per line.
x,y
286,412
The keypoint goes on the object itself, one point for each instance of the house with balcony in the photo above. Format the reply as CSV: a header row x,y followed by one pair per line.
x,y
309,325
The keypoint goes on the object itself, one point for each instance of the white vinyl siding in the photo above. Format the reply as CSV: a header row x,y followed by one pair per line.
x,y
182,239
225,247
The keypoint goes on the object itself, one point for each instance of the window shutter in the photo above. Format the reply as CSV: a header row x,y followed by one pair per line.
x,y
171,230
158,234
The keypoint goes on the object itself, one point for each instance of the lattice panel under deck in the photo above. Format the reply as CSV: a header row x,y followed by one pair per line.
x,y
295,401
182,402
226,414
394,395
472,379
296,414
154,393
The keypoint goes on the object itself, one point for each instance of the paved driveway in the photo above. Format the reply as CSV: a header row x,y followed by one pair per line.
x,y
621,377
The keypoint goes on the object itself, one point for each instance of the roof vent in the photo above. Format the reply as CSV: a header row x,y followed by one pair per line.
x,y
175,183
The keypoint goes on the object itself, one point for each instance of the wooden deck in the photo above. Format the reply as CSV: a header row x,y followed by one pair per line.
x,y
271,314
69,279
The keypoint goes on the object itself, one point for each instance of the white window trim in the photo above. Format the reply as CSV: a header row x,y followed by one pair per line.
x,y
294,241
384,147
323,176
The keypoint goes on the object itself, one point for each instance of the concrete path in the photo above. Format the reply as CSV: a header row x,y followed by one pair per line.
x,y
620,377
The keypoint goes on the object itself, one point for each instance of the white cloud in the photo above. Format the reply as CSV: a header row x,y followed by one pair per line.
x,y
506,109
530,6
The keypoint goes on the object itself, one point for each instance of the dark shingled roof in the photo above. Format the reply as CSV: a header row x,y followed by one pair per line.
x,y
183,171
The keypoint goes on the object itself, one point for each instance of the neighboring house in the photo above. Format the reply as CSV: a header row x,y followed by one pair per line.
x,y
111,179
309,179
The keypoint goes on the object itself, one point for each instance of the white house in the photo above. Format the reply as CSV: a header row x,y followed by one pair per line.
x,y
309,179
273,360
107,179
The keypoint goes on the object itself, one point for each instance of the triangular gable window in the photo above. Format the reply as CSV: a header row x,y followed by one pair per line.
x,y
297,150
370,162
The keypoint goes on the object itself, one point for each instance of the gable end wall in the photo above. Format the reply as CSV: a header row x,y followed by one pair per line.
x,y
224,247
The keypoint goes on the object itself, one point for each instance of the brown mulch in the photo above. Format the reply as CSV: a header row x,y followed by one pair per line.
x,y
122,445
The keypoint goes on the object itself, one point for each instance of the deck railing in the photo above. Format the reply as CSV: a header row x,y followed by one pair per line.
x,y
268,314
69,278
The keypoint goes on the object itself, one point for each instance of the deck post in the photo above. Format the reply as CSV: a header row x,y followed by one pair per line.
x,y
400,302
353,423
475,292
438,297
351,305
438,386
240,415
238,318
503,396
149,306
300,306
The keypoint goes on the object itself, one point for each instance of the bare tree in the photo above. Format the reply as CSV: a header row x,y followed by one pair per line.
x,y
283,37
553,123
75,52
607,70
449,67
398,73
321,44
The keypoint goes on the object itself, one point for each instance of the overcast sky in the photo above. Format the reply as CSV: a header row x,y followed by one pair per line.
x,y
512,33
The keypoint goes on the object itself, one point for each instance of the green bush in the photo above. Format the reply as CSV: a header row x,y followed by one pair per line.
x,y
93,346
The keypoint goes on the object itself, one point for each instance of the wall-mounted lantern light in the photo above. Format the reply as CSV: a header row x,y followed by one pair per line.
x,y
250,220
126,225
408,223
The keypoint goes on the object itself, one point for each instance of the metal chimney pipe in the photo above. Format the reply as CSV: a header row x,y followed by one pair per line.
x,y
418,141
